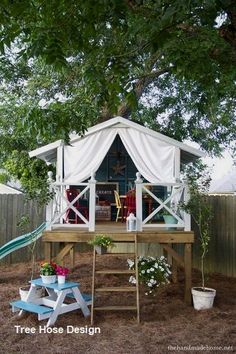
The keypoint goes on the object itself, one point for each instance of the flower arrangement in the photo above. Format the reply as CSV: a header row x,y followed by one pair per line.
x,y
102,240
61,270
47,268
153,272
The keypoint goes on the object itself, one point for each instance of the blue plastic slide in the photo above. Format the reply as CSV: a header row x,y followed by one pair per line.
x,y
22,241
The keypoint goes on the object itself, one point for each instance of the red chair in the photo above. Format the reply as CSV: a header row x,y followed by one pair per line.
x,y
130,202
71,216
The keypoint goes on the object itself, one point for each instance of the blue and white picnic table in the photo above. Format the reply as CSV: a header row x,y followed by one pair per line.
x,y
52,305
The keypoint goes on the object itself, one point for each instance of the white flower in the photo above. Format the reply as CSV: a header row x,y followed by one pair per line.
x,y
162,258
152,281
156,265
143,271
130,263
148,271
150,285
132,280
152,269
142,263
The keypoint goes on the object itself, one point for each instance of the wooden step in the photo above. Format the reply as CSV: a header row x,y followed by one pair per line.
x,y
28,306
117,289
115,271
115,308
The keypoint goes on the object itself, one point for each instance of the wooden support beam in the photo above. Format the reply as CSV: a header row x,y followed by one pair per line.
x,y
173,253
174,271
48,251
64,252
188,272
72,256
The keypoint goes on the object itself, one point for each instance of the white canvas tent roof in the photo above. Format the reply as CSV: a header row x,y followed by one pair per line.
x,y
48,153
154,154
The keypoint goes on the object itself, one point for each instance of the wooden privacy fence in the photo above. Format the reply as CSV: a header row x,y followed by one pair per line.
x,y
222,250
12,208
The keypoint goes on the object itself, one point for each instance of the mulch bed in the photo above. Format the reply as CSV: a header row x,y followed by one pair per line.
x,y
167,323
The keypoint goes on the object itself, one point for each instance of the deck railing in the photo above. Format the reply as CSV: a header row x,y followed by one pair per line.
x,y
60,206
175,193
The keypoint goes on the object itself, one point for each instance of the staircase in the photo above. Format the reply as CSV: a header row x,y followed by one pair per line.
x,y
121,289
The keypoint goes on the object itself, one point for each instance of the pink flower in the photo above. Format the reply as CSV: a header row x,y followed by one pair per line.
x,y
61,270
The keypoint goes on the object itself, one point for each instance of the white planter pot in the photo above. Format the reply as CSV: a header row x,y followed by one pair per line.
x,y
61,279
24,291
49,279
203,300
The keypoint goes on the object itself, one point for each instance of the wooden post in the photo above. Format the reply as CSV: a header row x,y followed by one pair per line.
x,y
92,202
177,164
139,201
48,251
174,271
49,207
188,272
187,217
72,256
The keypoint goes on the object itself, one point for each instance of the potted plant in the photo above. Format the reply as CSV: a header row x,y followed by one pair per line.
x,y
152,272
48,272
61,274
101,243
169,219
198,206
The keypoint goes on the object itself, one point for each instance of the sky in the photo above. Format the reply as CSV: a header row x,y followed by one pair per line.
x,y
220,166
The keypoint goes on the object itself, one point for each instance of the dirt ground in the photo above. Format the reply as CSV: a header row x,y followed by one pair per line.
x,y
167,323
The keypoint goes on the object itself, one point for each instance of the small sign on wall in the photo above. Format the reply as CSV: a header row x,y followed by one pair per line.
x,y
105,191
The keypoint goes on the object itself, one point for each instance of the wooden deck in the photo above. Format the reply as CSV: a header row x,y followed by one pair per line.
x,y
118,233
68,237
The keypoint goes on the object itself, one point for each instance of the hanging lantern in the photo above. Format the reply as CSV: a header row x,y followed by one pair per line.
x,y
131,222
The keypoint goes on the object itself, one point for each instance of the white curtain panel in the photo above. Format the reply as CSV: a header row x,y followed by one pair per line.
x,y
86,155
153,158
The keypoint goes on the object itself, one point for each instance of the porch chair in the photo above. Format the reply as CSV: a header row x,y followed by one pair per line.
x,y
81,206
118,205
71,216
130,202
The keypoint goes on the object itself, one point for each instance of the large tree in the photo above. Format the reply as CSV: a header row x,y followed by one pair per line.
x,y
68,64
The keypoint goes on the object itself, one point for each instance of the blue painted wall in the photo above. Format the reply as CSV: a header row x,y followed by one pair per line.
x,y
108,171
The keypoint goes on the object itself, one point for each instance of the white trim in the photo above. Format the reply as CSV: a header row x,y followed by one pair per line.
x,y
40,152
60,161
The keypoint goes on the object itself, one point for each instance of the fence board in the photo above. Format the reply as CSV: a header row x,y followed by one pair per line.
x,y
12,208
